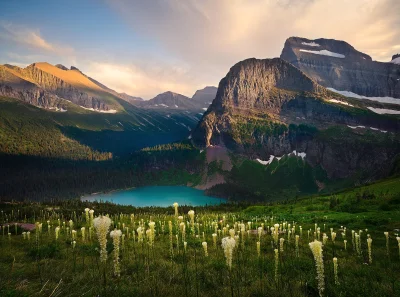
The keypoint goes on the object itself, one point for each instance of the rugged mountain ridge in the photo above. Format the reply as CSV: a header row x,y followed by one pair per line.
x,y
269,107
43,85
336,64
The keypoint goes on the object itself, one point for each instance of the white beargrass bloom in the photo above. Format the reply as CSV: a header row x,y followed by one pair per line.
x,y
71,224
387,242
185,245
151,233
87,215
281,241
276,264
228,244
73,244
258,249
214,237
232,233
333,234
316,248
324,239
28,234
83,229
297,245
369,242
204,244
101,225
259,231
116,236
357,243
73,233
335,270
398,243
345,244
57,230
24,235
176,208
91,215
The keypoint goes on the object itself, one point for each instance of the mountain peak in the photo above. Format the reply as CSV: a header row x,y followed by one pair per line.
x,y
255,83
62,67
338,65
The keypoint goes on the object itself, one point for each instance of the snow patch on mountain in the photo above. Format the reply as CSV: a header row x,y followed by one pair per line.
x,y
302,155
340,102
396,61
324,53
378,99
102,111
363,127
312,43
384,110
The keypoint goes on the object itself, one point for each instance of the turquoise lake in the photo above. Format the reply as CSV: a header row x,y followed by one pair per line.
x,y
163,196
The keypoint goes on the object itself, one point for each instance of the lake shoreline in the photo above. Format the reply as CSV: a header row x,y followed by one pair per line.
x,y
161,196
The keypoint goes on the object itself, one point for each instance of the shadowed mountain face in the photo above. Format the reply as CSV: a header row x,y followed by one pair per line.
x,y
336,64
269,107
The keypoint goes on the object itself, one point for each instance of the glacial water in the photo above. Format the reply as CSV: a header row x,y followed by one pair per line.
x,y
156,196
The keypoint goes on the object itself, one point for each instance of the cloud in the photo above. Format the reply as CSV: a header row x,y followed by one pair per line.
x,y
142,79
210,36
31,38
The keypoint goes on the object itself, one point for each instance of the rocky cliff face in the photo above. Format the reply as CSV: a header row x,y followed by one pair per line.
x,y
336,64
270,107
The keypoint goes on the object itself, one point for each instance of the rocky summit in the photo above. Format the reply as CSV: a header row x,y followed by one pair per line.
x,y
338,65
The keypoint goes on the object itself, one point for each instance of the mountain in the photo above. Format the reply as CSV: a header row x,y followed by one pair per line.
x,y
168,100
395,59
80,110
338,65
204,97
44,85
302,135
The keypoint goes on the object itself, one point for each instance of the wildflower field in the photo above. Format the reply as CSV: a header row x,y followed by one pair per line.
x,y
75,248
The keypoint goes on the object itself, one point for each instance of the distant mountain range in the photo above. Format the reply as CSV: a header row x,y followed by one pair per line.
x,y
173,101
87,111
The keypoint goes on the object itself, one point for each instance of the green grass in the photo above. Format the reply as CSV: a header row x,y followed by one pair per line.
x,y
49,267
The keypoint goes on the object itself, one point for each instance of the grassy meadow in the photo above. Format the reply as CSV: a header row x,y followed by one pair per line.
x,y
226,250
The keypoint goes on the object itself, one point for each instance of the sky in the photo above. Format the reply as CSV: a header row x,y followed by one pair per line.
x,y
146,47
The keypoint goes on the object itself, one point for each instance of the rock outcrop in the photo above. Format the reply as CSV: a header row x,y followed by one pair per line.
x,y
336,64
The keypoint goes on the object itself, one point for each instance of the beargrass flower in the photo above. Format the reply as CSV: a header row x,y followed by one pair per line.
x,y
316,248
335,270
276,264
176,208
369,242
204,244
281,241
87,215
101,225
228,244
57,230
116,237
